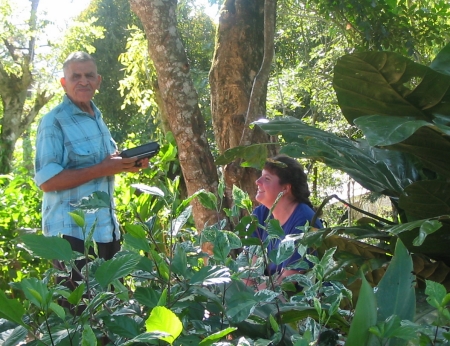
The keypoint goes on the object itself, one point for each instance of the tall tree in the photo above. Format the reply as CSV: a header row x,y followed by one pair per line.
x,y
17,82
180,99
238,79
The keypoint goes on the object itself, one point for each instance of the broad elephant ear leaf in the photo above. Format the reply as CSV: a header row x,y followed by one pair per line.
x,y
387,87
427,141
380,130
426,199
389,84
431,147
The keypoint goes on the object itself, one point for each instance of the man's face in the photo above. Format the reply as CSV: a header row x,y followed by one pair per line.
x,y
80,82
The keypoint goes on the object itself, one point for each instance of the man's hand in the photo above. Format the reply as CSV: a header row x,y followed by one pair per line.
x,y
116,164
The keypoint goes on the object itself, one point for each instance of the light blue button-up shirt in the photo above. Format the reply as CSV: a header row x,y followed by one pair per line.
x,y
69,138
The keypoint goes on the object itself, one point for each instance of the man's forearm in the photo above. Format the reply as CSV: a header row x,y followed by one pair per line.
x,y
71,178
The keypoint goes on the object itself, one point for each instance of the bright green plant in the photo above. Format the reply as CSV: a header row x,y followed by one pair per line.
x,y
19,214
145,295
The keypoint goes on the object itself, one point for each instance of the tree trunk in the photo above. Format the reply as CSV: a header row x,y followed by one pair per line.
x,y
14,88
180,100
16,119
238,57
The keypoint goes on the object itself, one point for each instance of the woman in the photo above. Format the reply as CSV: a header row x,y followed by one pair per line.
x,y
285,175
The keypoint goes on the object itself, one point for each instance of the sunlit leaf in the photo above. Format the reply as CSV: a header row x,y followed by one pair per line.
x,y
211,339
211,276
163,320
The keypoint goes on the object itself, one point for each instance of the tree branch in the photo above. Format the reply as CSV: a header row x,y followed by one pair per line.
x,y
263,74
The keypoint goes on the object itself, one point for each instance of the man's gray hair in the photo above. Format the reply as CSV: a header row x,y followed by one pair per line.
x,y
78,57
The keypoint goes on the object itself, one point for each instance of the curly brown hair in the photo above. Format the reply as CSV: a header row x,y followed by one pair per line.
x,y
290,171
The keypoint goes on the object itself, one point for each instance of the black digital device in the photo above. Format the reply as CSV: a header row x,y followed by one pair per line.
x,y
142,151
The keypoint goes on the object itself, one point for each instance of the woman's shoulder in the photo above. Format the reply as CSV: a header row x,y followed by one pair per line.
x,y
305,213
304,208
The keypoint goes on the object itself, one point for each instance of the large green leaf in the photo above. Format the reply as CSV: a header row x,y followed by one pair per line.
x,y
441,62
421,201
365,316
430,146
407,134
426,199
389,84
116,268
11,309
48,247
382,130
163,320
395,293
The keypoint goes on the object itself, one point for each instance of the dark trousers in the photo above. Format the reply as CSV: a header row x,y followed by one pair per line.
x,y
105,251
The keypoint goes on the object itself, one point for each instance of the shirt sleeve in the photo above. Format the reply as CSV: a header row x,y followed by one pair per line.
x,y
49,151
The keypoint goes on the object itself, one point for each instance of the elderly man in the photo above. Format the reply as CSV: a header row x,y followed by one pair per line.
x,y
76,156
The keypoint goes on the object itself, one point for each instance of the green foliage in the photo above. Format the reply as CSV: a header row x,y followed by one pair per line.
x,y
79,37
19,214
402,26
177,298
140,76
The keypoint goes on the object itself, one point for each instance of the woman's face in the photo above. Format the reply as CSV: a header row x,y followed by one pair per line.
x,y
268,188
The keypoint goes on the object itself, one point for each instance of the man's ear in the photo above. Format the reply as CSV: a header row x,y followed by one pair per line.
x,y
99,78
63,82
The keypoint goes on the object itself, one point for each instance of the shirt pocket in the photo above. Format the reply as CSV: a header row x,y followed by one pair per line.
x,y
83,155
